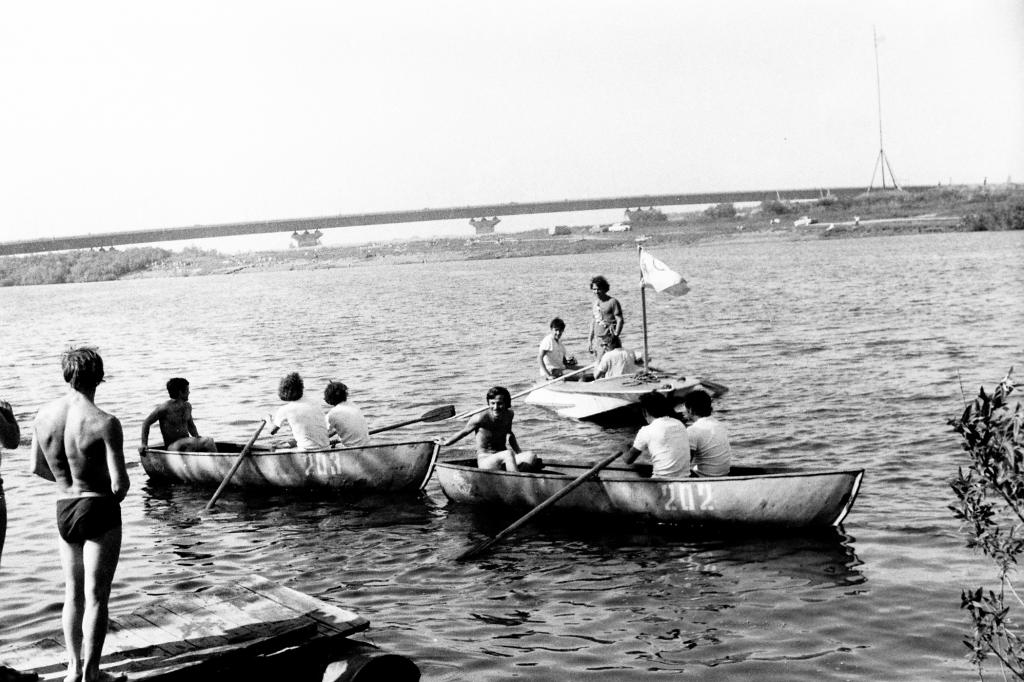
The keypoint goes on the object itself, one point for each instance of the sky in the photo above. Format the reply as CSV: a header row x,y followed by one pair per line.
x,y
136,115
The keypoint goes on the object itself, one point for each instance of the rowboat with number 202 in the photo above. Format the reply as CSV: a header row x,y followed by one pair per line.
x,y
751,496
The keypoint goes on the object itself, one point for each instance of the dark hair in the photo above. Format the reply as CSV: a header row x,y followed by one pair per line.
x,y
613,341
557,323
336,392
656,405
601,283
291,387
175,386
496,391
698,402
83,368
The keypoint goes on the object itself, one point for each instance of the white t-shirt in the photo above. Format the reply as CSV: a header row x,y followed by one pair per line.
x,y
616,362
709,447
555,358
665,441
350,425
309,428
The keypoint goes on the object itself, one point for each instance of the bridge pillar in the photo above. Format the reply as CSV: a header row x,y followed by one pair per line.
x,y
484,225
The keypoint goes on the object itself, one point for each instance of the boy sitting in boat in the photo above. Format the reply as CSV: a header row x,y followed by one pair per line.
x,y
496,444
551,356
176,425
710,451
344,419
307,421
663,439
616,360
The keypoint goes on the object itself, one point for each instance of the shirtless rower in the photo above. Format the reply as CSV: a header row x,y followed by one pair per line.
x,y
80,448
176,425
495,443
607,320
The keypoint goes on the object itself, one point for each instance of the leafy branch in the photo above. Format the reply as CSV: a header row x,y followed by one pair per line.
x,y
990,506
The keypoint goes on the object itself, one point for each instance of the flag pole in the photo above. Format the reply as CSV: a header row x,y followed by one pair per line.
x,y
643,303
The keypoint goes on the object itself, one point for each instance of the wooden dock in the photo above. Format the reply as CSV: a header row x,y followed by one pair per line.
x,y
253,625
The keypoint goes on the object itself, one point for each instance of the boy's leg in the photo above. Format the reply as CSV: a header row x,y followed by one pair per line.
x,y
74,604
100,561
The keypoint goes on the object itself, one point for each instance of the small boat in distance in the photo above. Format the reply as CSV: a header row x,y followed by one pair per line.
x,y
615,400
749,496
384,467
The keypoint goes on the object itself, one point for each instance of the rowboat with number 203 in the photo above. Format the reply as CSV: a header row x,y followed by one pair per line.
x,y
751,496
387,467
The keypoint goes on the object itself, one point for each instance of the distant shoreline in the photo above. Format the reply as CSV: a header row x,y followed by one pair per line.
x,y
880,213
522,245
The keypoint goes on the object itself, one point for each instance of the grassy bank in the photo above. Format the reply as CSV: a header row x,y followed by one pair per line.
x,y
939,209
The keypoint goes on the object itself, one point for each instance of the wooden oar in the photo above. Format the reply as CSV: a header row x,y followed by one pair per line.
x,y
590,473
434,415
530,390
234,467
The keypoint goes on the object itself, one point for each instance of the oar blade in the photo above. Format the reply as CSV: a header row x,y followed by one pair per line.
x,y
477,549
439,413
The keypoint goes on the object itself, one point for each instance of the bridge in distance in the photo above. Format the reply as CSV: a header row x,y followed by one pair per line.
x,y
108,239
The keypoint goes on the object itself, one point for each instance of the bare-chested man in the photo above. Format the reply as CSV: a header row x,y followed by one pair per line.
x,y
80,447
495,443
176,425
607,320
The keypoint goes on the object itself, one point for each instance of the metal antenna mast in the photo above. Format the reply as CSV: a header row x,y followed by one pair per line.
x,y
882,163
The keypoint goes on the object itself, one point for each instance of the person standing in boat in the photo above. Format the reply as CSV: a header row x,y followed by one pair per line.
x,y
663,439
551,355
10,436
309,427
175,420
615,361
710,452
607,320
496,444
344,419
80,448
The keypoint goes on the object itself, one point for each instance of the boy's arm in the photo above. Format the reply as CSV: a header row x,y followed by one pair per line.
x,y
513,444
113,439
10,432
632,455
146,423
37,460
619,320
471,426
191,426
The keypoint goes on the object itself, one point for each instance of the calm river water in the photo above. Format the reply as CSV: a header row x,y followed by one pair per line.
x,y
846,353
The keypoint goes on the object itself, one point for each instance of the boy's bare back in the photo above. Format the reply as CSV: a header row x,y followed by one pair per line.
x,y
82,445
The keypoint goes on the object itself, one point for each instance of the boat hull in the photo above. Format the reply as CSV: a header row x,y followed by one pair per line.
x,y
385,467
752,497
616,399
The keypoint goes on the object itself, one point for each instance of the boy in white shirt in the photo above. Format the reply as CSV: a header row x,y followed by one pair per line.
x,y
344,419
309,428
663,439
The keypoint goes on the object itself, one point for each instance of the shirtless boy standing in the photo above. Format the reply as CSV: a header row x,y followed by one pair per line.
x,y
176,425
495,443
79,447
607,320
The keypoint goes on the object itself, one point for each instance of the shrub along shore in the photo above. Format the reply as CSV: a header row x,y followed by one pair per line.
x,y
939,209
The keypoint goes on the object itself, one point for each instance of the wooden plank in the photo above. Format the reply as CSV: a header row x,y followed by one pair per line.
x,y
133,632
223,656
46,654
199,628
343,621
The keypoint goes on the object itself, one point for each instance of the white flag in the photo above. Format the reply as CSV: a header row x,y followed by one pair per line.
x,y
660,277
